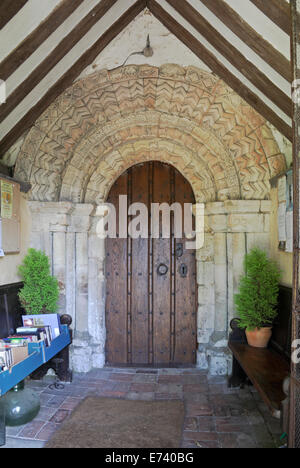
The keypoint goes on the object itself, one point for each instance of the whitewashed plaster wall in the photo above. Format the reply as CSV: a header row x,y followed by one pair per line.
x,y
166,47
10,263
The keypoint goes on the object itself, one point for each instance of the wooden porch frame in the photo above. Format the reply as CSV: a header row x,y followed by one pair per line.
x,y
294,424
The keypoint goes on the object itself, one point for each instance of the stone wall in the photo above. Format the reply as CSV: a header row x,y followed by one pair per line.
x,y
67,233
111,120
232,229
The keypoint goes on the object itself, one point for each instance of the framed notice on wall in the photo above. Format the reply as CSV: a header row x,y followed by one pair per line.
x,y
7,193
285,211
9,217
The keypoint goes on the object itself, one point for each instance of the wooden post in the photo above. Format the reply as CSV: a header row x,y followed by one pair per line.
x,y
294,423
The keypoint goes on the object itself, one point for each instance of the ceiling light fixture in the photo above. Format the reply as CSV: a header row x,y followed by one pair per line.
x,y
147,51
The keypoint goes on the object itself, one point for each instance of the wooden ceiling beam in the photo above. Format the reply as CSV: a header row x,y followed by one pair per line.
x,y
218,68
278,11
233,55
71,74
251,38
55,57
10,64
8,9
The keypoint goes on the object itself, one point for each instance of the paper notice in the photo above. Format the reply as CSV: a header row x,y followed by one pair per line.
x,y
281,222
282,189
289,232
1,249
6,200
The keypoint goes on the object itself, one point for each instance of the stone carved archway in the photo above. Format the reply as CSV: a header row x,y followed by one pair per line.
x,y
107,110
106,123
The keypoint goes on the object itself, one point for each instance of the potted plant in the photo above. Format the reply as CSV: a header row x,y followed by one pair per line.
x,y
257,298
40,294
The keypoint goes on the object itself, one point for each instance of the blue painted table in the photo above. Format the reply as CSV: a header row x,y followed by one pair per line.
x,y
39,354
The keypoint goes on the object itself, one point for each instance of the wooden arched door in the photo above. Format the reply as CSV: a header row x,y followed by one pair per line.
x,y
151,283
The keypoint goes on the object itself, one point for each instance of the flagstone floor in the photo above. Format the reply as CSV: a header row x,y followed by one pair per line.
x,y
215,416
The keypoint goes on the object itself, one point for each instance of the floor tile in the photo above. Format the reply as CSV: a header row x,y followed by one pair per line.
x,y
215,416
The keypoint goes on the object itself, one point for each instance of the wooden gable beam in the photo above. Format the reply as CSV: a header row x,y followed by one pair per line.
x,y
10,64
248,35
8,9
56,56
71,74
217,67
233,55
278,11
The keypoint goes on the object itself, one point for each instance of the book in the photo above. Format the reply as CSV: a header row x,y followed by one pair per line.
x,y
19,354
43,333
10,356
43,320
30,338
13,342
25,330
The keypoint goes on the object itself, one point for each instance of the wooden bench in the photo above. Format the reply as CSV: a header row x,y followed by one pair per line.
x,y
267,369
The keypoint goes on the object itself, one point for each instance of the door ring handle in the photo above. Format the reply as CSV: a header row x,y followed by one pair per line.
x,y
162,269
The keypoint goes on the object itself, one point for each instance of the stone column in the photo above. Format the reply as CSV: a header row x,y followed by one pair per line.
x,y
214,222
206,310
77,286
216,349
97,288
221,279
70,275
59,264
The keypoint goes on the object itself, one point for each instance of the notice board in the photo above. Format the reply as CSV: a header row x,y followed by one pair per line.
x,y
285,211
9,216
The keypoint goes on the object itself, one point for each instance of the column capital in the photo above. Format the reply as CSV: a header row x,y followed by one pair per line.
x,y
50,216
80,219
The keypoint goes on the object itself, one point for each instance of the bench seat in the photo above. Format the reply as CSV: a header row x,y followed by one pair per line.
x,y
266,369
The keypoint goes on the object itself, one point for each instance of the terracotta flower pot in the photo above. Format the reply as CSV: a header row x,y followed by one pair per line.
x,y
260,337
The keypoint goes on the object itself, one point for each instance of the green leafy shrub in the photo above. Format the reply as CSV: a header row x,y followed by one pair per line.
x,y
258,291
41,292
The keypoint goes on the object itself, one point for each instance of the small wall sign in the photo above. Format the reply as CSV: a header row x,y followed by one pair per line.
x,y
6,200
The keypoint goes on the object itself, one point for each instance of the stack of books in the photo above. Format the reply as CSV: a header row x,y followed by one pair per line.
x,y
14,348
33,334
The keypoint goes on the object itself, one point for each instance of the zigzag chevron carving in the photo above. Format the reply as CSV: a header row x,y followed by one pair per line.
x,y
109,121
